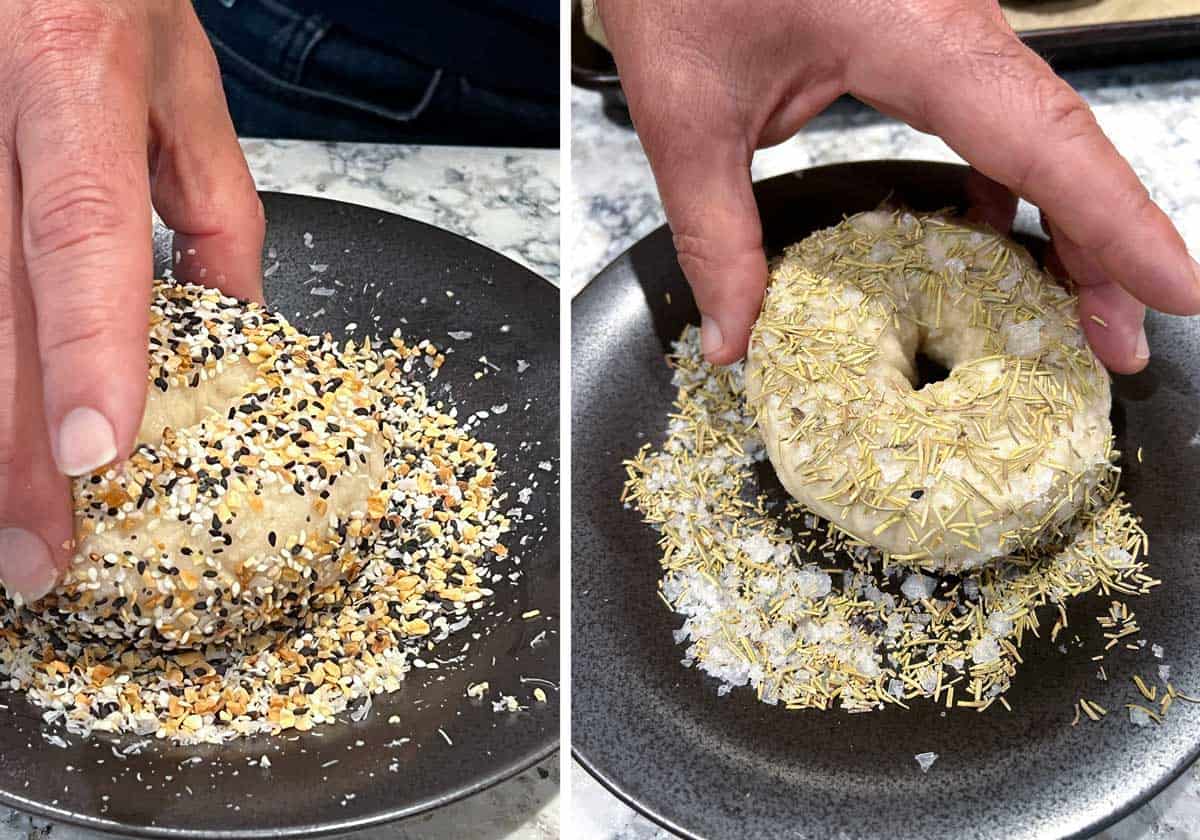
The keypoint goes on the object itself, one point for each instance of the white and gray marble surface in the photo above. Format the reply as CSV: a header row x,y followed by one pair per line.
x,y
508,200
1152,114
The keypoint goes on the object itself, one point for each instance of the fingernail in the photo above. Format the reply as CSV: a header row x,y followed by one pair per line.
x,y
1142,349
710,336
26,567
85,442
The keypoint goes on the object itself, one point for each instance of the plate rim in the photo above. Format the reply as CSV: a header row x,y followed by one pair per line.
x,y
289,196
608,781
117,829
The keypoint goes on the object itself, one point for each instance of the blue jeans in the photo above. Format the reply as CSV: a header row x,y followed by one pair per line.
x,y
288,74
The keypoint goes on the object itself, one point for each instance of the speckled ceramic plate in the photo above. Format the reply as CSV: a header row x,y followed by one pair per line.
x,y
354,774
658,735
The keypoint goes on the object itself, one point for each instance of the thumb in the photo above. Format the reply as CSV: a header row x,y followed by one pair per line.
x,y
717,233
691,129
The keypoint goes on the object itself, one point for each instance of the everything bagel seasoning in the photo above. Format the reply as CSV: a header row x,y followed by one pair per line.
x,y
352,608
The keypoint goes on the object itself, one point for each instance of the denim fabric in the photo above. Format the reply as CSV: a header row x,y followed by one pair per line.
x,y
513,44
290,74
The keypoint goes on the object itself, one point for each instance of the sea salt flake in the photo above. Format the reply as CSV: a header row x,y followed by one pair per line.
x,y
985,650
1010,280
1000,624
360,714
925,760
917,587
1024,338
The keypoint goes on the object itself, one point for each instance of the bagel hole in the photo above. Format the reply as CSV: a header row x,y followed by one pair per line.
x,y
929,371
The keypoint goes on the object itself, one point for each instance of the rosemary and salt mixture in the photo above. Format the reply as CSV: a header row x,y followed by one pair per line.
x,y
151,642
809,617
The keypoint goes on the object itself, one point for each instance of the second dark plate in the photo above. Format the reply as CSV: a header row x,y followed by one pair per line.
x,y
658,735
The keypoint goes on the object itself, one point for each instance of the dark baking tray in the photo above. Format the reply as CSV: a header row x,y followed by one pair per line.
x,y
1066,48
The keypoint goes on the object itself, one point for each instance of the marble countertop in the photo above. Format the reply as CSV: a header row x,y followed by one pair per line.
x,y
1152,114
508,200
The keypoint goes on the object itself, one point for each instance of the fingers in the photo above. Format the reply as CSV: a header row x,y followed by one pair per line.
x,y
1112,318
81,149
990,203
718,237
692,132
1003,109
201,184
706,191
35,504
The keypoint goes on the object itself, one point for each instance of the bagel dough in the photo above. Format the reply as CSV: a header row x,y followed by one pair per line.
x,y
997,457
256,486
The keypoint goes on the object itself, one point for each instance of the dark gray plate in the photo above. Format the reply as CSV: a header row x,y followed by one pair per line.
x,y
346,775
705,766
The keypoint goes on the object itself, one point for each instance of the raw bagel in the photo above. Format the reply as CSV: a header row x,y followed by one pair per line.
x,y
257,483
996,457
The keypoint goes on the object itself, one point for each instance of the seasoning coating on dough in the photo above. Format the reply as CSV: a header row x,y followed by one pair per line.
x,y
258,478
996,457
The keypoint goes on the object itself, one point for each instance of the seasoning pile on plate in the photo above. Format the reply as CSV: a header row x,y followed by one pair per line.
x,y
219,624
808,617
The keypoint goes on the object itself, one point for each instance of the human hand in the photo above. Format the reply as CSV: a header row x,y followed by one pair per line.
x,y
106,106
709,81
